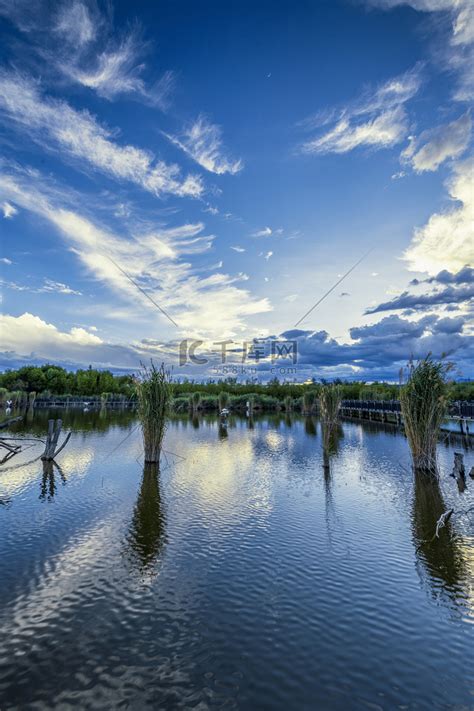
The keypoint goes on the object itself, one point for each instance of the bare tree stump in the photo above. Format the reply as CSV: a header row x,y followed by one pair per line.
x,y
54,430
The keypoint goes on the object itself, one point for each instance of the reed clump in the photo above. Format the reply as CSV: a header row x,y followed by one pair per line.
x,y
154,392
330,397
424,401
309,399
223,400
196,401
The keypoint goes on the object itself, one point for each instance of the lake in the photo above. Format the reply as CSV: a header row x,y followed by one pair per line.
x,y
243,575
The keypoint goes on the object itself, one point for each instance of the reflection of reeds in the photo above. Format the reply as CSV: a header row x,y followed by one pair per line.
x,y
310,426
146,531
423,401
440,555
154,394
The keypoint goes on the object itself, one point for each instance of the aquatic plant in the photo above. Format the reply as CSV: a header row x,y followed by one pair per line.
x,y
223,400
154,393
196,401
309,399
329,403
423,401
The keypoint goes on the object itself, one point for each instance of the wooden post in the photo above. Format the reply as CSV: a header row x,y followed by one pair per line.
x,y
459,472
54,430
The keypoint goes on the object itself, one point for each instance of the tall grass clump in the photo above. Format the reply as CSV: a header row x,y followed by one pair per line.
x,y
423,401
329,402
154,394
223,400
196,401
308,402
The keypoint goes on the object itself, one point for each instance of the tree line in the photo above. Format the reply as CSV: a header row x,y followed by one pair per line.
x,y
55,380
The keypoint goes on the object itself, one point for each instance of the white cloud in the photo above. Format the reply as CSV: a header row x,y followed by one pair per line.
x,y
157,261
74,24
8,210
202,141
265,232
385,130
267,255
433,147
49,286
377,119
456,52
78,40
28,333
238,249
58,287
446,241
77,135
5,260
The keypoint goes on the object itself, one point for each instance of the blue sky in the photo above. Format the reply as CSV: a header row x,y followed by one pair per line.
x,y
233,160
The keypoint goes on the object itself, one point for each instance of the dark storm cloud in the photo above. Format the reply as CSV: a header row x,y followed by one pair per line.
x,y
449,295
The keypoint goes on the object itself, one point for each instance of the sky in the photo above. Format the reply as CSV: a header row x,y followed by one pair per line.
x,y
180,180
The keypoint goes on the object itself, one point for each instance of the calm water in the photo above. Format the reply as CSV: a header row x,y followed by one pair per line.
x,y
243,576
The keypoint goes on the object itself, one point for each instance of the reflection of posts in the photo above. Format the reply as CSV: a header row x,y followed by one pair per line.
x,y
440,556
48,482
147,528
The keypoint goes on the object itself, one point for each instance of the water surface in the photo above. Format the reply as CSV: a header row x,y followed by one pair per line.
x,y
242,575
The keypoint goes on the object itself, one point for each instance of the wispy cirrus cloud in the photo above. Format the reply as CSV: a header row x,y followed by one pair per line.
x,y
202,141
377,119
429,150
77,135
49,286
158,261
264,232
454,38
79,41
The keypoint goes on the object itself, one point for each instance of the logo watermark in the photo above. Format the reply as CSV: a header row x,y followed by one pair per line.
x,y
243,357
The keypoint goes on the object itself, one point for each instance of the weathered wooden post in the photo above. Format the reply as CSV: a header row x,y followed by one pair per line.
x,y
459,471
54,430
